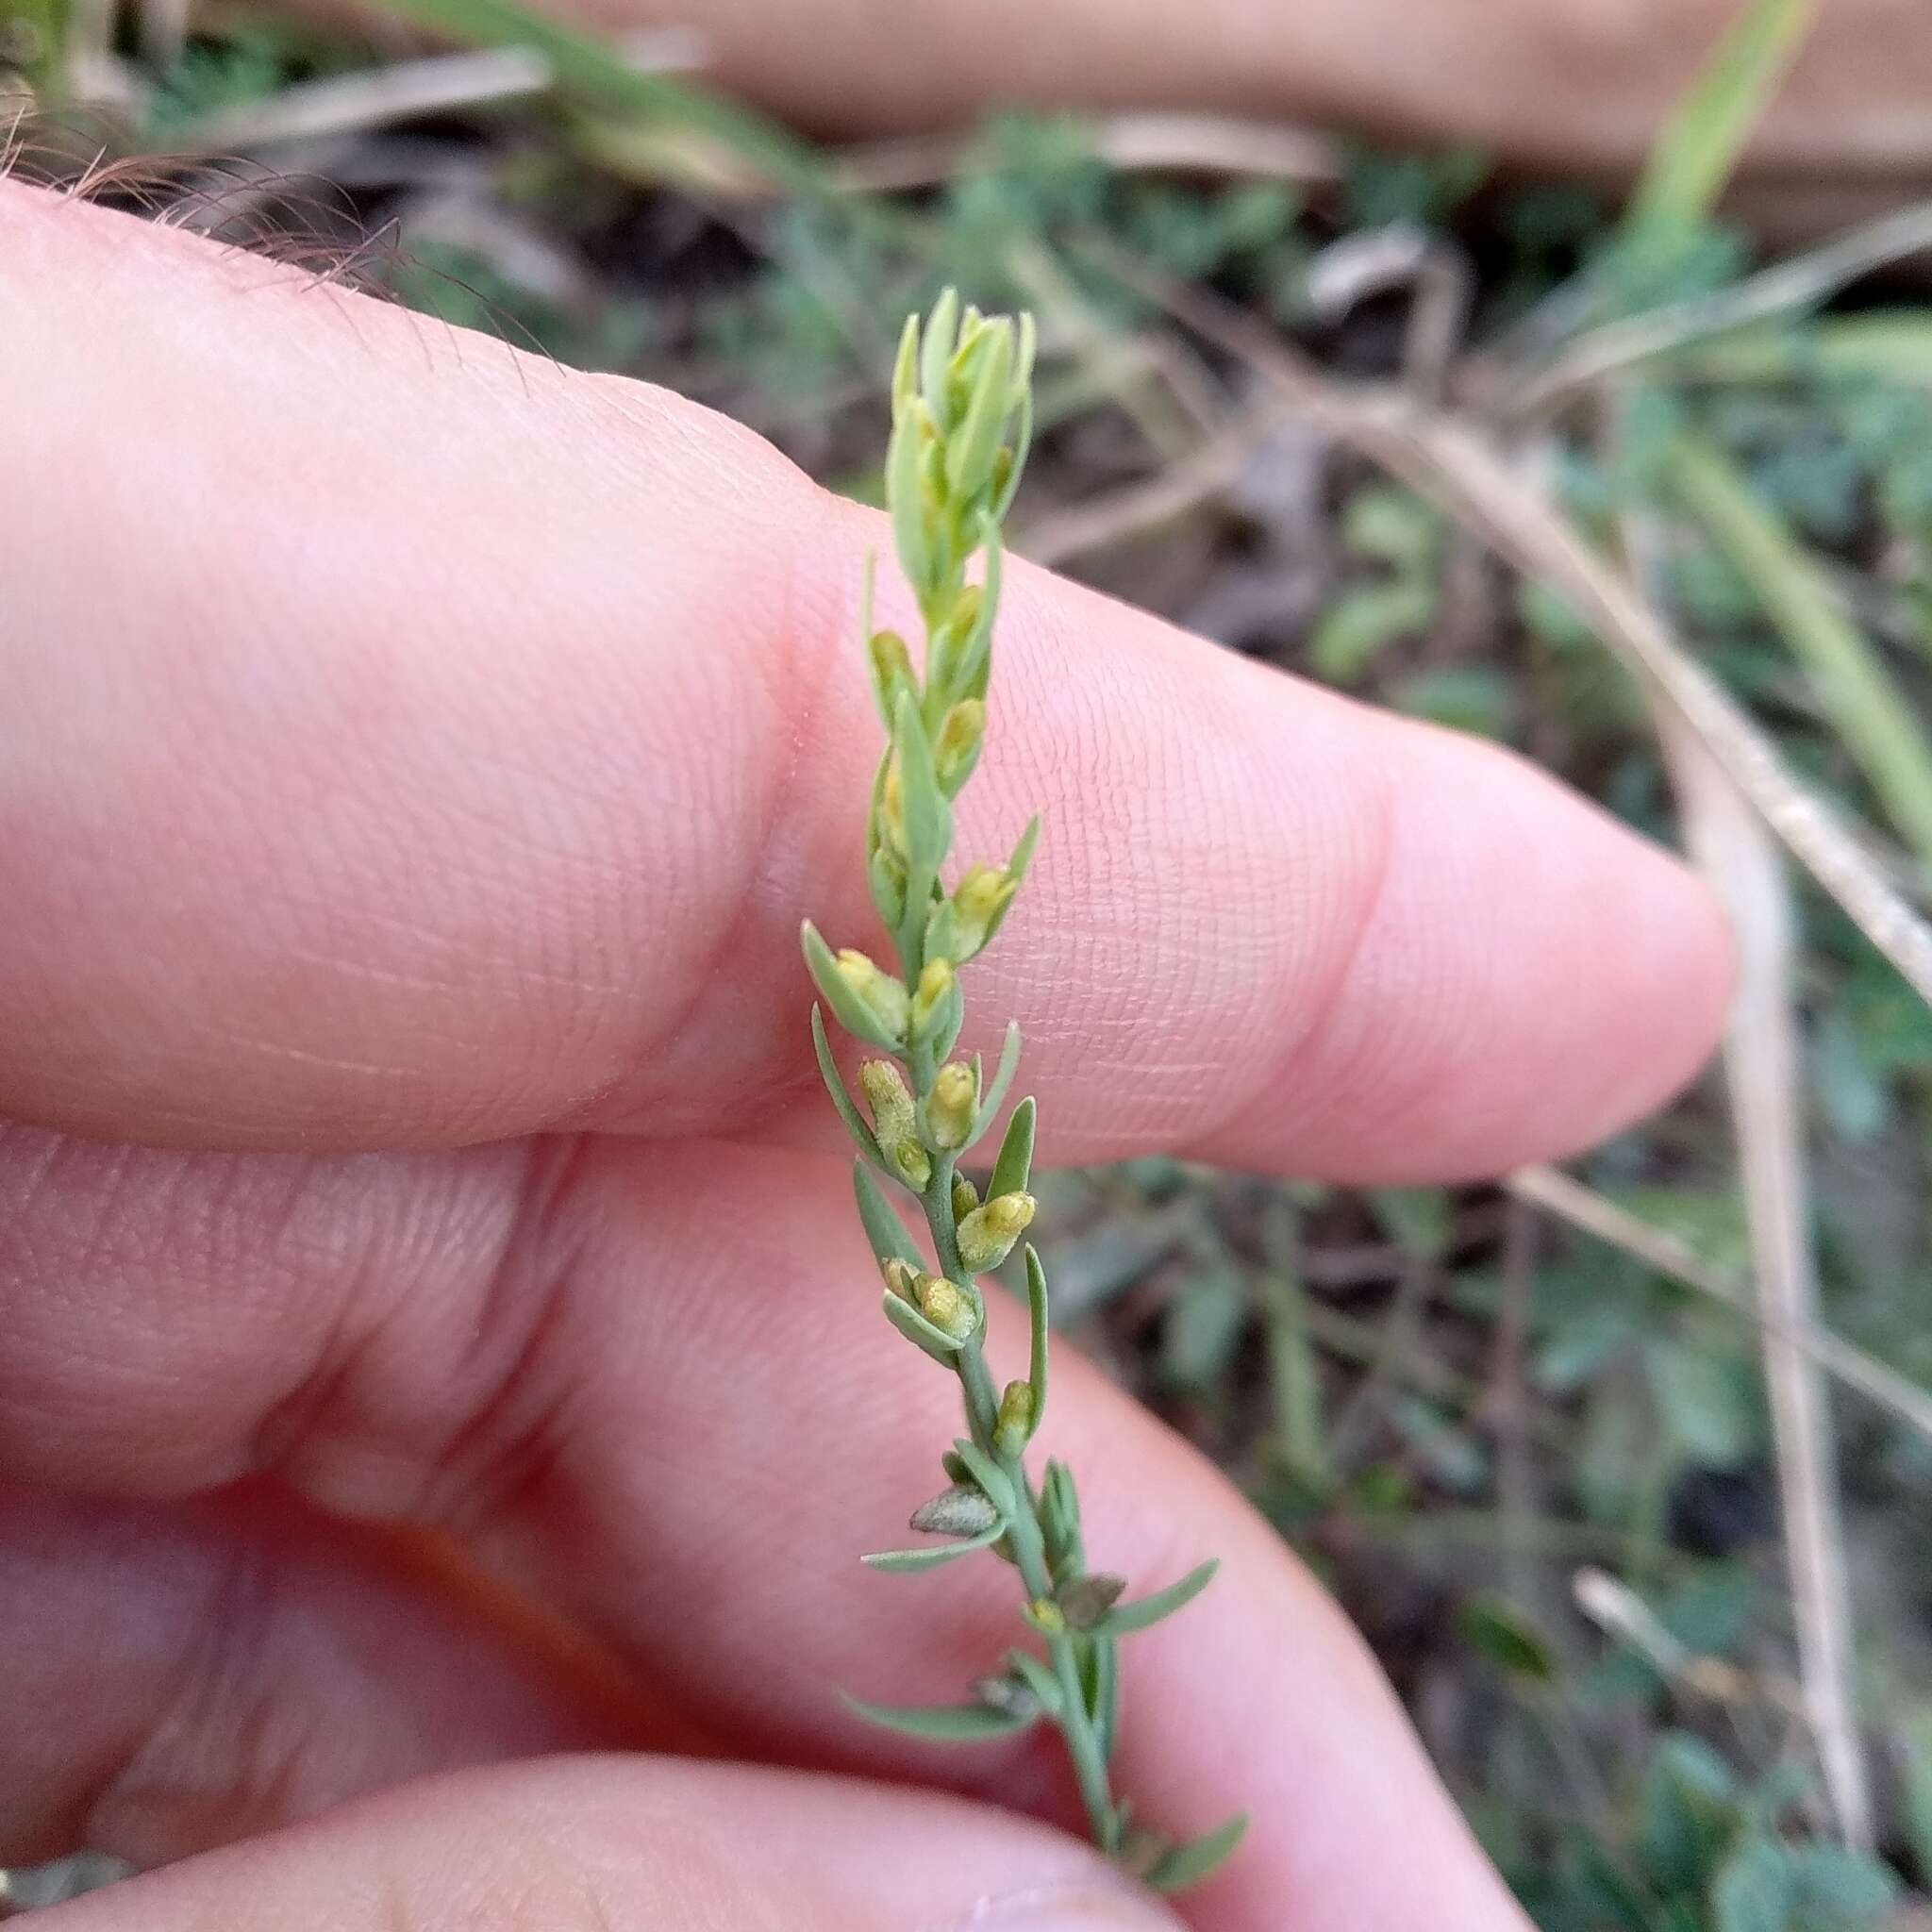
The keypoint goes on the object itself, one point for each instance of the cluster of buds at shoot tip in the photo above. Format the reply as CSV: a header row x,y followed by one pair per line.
x,y
894,1122
962,417
951,1105
987,1235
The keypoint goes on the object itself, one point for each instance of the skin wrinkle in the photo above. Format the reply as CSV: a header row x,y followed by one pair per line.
x,y
659,1355
526,1381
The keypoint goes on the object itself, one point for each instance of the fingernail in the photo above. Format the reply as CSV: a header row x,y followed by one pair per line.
x,y
1078,1907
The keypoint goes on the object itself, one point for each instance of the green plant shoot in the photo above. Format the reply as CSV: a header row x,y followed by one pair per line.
x,y
961,418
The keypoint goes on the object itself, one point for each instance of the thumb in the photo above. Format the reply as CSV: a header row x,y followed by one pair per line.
x,y
590,1844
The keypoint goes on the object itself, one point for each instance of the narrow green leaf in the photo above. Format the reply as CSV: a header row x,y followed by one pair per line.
x,y
1014,1167
1700,145
1103,1698
950,1723
835,1084
947,1023
851,1011
972,449
1022,858
888,1236
1296,1383
1146,1610
1060,1521
906,367
928,821
905,497
1037,1309
1038,1679
1875,716
908,1562
1188,1864
1002,1078
972,671
941,337
918,1331
1023,444
989,1475
1502,1632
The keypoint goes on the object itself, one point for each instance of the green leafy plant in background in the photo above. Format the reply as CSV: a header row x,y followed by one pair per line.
x,y
1705,1851
961,422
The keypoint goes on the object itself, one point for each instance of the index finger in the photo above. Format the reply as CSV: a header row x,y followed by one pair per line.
x,y
413,742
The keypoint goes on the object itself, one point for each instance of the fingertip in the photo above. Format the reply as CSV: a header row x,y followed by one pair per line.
x,y
1524,976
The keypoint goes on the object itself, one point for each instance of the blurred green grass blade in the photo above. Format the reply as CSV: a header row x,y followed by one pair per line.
x,y
1300,1431
1700,145
1884,344
1871,713
597,72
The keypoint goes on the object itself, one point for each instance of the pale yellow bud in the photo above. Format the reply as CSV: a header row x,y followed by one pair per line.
x,y
901,1278
935,988
965,1197
893,1122
988,1234
884,995
887,1094
1009,1214
1048,1616
983,894
949,1105
1015,1423
958,742
945,1307
892,662
892,808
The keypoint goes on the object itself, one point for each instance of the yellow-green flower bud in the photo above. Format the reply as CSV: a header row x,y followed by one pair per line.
x,y
891,813
988,1234
887,876
945,1307
949,1105
891,665
935,988
965,1197
893,1122
883,994
1015,1425
1047,1616
982,896
957,745
901,1278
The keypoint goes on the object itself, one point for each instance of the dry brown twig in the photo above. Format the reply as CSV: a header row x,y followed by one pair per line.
x,y
1463,470
1763,1078
1662,1252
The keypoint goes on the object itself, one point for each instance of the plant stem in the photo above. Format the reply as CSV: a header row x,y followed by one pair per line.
x,y
1023,1532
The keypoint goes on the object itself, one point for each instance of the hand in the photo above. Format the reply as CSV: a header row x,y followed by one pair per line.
x,y
416,761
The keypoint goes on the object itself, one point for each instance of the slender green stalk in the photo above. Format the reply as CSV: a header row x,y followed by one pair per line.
x,y
961,416
1872,712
